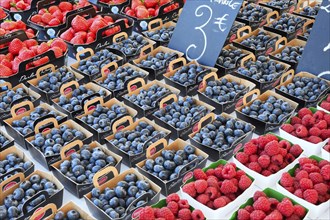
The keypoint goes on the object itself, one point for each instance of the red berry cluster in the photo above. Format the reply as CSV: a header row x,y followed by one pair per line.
x,y
2,14
312,127
268,208
326,103
16,5
217,187
327,146
113,2
7,27
19,51
267,154
311,181
176,208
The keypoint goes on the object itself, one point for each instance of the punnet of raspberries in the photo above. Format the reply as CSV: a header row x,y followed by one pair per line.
x,y
326,103
217,187
267,154
3,14
175,208
310,181
327,147
309,126
268,208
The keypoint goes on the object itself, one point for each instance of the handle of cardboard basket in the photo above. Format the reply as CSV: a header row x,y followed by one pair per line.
x,y
7,84
117,36
91,102
166,99
243,29
102,173
41,211
107,66
20,105
300,4
286,75
206,77
279,41
173,62
68,85
144,50
270,15
152,149
153,22
84,51
205,118
255,91
51,66
307,23
134,81
45,122
69,146
120,121
248,57
10,179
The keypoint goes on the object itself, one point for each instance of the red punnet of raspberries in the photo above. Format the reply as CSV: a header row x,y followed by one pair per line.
x,y
311,181
327,147
16,5
309,126
268,208
19,51
56,14
267,154
326,103
218,187
3,14
175,208
8,26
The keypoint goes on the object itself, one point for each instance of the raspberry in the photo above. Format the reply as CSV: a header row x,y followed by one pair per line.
x,y
249,208
266,173
306,184
250,148
316,177
234,181
271,137
165,213
212,181
210,204
227,187
218,172
306,160
301,131
273,168
285,207
228,171
322,163
203,198
314,131
321,188
295,150
298,193
290,189
262,203
242,214
257,215
190,189
325,133
197,215
286,180
239,173
314,139
258,194
323,199
200,185
327,119
283,152
284,144
277,159
272,148
199,174
255,166
172,197
311,195
273,203
173,206
244,182
219,202
327,148
184,214
274,215
304,111
209,172
308,121
289,158
325,172
296,120
288,128
212,192
299,210
183,203
322,125
253,158
310,168
318,115
147,213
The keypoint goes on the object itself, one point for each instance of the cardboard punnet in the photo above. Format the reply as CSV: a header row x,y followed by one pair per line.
x,y
237,28
182,133
315,211
270,45
255,23
302,4
45,127
79,189
131,160
292,43
271,194
56,198
156,73
306,30
223,211
102,180
260,179
49,211
156,25
319,104
155,150
289,9
48,96
288,77
8,143
67,90
216,154
261,126
266,85
176,65
111,68
89,108
87,55
229,106
22,15
18,114
141,112
309,148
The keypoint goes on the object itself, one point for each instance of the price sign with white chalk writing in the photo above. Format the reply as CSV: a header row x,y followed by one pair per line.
x,y
203,27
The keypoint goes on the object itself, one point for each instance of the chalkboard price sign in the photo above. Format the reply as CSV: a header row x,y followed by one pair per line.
x,y
203,27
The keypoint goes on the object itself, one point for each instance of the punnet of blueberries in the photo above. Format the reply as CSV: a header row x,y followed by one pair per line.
x,y
51,143
13,203
291,54
305,88
186,75
147,98
81,166
228,57
102,117
25,125
7,97
131,45
135,141
252,13
310,11
163,34
222,132
116,80
168,165
115,201
3,141
93,64
283,4
263,69
223,90
272,110
157,61
288,23
181,114
13,161
72,214
259,41
74,103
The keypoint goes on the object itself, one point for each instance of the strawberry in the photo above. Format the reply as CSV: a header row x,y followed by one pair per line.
x,y
59,15
46,18
20,25
31,42
59,43
5,71
141,12
26,54
77,40
8,25
15,46
6,63
79,23
108,19
54,22
65,6
57,51
151,3
52,9
36,18
90,40
15,64
42,48
2,14
41,61
97,24
67,35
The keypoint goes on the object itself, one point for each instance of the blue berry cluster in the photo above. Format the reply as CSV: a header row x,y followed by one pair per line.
x,y
157,61
3,141
51,143
291,53
13,203
131,45
7,97
287,23
171,162
282,4
115,201
272,110
134,141
252,13
82,165
310,11
262,70
72,214
11,162
258,42
228,58
305,88
186,75
163,34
